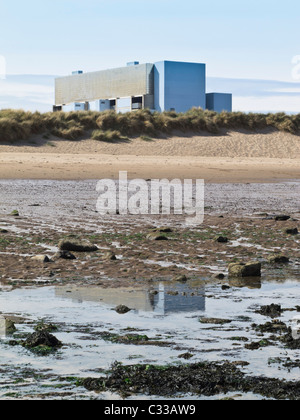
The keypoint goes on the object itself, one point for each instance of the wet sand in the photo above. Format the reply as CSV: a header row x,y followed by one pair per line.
x,y
181,311
52,210
185,308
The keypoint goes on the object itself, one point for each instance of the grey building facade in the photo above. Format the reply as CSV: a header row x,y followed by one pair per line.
x,y
162,86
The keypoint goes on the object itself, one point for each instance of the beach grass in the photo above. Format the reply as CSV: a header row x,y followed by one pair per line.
x,y
17,125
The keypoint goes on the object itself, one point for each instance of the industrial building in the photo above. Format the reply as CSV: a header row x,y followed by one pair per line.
x,y
162,86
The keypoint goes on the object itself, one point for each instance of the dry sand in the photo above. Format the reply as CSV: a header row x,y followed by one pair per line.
x,y
235,157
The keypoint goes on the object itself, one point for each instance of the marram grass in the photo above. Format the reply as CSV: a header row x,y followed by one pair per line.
x,y
18,125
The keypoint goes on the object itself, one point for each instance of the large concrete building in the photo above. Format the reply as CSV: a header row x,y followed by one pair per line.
x,y
162,86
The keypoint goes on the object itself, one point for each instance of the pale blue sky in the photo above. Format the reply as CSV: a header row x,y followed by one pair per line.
x,y
254,39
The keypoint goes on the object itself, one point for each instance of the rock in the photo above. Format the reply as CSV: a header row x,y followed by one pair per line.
x,y
185,356
164,230
15,213
216,321
273,310
109,256
292,231
222,239
181,278
42,326
279,259
219,276
122,309
65,255
252,346
41,338
282,218
251,269
41,258
76,246
154,236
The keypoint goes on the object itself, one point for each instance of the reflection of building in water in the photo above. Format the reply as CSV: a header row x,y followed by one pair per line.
x,y
162,299
182,300
140,300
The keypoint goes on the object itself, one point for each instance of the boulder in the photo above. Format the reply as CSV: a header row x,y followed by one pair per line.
x,y
76,246
154,236
292,231
282,218
279,259
41,338
251,269
122,309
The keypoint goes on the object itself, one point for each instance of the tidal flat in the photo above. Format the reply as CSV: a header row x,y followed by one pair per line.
x,y
185,316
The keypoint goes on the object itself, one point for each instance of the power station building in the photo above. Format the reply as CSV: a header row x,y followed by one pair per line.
x,y
162,86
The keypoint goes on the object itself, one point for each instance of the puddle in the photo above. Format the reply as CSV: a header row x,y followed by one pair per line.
x,y
167,313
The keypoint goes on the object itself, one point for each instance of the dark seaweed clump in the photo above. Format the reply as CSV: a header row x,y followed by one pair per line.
x,y
206,379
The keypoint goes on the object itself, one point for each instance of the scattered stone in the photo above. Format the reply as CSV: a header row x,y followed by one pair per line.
x,y
185,356
241,363
122,309
272,310
172,293
279,259
244,339
76,246
41,338
65,255
282,218
222,239
154,236
42,326
292,231
251,269
109,256
252,346
225,287
41,258
274,327
15,213
219,276
180,279
216,321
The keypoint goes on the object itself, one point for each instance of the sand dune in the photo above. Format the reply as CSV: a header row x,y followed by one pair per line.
x,y
235,157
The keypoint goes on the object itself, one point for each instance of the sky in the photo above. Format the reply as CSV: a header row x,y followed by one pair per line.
x,y
246,40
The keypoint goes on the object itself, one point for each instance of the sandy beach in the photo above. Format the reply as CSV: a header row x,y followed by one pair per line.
x,y
234,157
